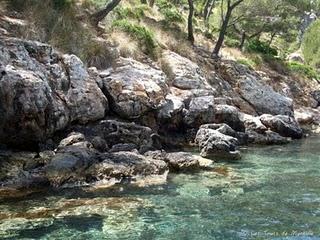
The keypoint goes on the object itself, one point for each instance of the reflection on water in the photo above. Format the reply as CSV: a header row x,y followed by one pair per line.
x,y
273,193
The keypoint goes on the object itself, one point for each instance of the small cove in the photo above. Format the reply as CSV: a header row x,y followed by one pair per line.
x,y
272,193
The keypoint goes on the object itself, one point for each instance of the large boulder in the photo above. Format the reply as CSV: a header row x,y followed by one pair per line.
x,y
316,95
70,162
263,98
215,145
171,114
306,115
134,88
254,88
42,91
284,125
230,115
258,133
199,111
177,161
125,166
183,73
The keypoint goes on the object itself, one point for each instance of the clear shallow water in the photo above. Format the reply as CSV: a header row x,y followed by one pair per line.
x,y
273,193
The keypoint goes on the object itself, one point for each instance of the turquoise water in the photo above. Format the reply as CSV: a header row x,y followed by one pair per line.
x,y
273,193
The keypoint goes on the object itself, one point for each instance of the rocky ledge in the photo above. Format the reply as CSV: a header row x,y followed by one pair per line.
x,y
84,126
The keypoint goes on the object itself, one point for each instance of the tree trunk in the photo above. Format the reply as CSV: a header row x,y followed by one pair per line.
x,y
243,40
151,3
210,11
272,37
225,22
101,14
190,21
206,9
222,33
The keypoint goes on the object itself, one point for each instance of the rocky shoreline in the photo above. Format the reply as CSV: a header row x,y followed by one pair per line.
x,y
65,125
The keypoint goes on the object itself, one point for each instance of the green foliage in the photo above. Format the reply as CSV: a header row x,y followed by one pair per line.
x,y
311,45
141,33
61,4
137,12
261,47
247,62
299,68
231,42
169,11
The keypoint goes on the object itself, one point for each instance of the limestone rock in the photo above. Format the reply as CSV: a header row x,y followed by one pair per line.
x,y
177,161
135,88
183,73
216,145
125,166
316,95
119,132
229,115
284,125
182,161
42,91
199,111
258,133
264,98
69,163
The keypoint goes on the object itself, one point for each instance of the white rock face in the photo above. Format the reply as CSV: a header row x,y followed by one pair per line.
x,y
135,88
183,73
252,87
264,98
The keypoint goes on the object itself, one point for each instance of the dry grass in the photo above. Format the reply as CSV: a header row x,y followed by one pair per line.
x,y
127,46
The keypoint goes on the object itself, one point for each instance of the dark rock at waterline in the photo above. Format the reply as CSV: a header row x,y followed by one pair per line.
x,y
115,132
266,138
284,125
70,162
177,161
258,133
125,166
215,145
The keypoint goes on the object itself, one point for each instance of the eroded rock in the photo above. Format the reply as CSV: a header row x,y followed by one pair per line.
x,y
135,88
284,125
216,145
42,91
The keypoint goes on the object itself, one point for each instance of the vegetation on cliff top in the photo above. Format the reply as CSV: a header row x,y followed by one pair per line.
x,y
264,32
